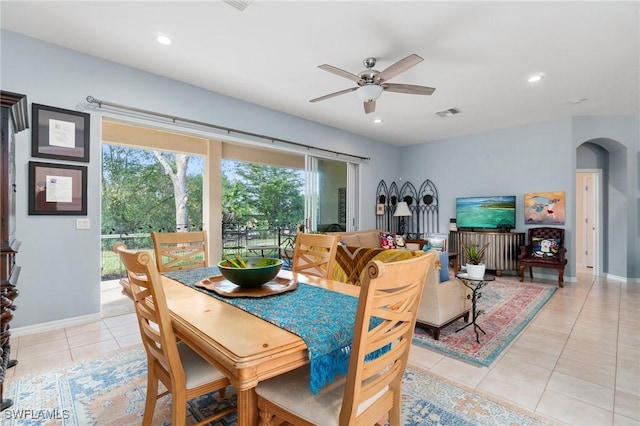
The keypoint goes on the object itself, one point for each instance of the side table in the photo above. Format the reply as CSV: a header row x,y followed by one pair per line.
x,y
475,284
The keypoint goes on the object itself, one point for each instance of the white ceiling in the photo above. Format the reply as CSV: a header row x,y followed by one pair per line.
x,y
478,55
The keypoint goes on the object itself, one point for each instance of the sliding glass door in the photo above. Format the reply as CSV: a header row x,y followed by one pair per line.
x,y
331,195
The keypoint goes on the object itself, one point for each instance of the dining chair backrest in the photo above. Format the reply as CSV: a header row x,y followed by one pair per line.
x,y
156,330
180,250
390,294
183,372
315,254
385,318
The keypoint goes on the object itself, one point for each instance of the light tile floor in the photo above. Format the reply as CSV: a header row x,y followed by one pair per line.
x,y
578,361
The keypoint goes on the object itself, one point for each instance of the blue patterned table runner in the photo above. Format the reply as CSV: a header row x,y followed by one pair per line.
x,y
324,319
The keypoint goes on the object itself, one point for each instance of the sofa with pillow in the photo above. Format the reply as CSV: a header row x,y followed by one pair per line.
x,y
351,261
444,299
373,238
357,248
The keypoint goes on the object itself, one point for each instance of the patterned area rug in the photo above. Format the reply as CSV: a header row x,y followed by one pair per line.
x,y
111,391
508,306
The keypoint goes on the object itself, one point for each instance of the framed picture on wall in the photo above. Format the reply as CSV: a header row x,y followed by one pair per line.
x,y
544,208
59,134
379,209
57,189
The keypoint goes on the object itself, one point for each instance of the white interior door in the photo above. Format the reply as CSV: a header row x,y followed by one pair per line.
x,y
589,220
588,231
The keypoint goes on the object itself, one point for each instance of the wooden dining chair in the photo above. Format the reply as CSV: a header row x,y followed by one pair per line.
x,y
315,254
180,250
184,373
371,390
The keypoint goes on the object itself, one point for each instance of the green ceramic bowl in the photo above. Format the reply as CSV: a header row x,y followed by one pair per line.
x,y
259,270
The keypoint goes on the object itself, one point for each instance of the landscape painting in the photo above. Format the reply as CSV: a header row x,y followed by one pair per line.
x,y
544,208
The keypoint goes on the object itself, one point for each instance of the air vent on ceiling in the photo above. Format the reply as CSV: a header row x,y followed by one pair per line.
x,y
239,4
448,112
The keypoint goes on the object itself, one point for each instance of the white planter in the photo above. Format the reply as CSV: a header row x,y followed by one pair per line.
x,y
476,271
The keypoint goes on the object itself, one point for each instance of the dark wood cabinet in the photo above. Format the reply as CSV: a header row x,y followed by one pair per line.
x,y
14,119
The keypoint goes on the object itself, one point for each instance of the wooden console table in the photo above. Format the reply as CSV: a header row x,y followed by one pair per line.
x,y
503,250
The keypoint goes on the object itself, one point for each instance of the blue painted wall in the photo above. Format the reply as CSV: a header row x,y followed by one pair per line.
x,y
543,157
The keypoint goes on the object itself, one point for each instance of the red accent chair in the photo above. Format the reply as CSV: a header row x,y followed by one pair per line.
x,y
544,249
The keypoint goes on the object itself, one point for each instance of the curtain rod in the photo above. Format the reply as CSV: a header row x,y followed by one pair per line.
x,y
228,130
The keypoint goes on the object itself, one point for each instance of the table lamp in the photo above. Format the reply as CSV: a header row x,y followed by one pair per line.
x,y
402,210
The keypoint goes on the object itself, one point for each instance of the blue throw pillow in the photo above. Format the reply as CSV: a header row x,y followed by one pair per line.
x,y
444,266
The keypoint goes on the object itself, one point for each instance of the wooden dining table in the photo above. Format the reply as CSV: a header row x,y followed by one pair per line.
x,y
246,348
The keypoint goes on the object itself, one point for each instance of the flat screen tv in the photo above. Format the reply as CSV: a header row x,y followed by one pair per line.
x,y
486,213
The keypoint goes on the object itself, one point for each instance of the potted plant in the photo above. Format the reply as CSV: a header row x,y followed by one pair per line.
x,y
475,256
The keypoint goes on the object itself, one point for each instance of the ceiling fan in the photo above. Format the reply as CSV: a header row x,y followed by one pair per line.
x,y
371,83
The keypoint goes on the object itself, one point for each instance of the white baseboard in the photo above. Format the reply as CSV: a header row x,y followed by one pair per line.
x,y
54,325
617,278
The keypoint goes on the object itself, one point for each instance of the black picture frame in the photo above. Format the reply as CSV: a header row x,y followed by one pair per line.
x,y
59,134
57,189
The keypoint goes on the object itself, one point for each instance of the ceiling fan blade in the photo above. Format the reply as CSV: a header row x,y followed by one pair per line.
x,y
410,89
401,66
331,95
341,73
369,107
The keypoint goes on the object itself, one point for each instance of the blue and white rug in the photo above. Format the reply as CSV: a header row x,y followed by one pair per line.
x,y
111,391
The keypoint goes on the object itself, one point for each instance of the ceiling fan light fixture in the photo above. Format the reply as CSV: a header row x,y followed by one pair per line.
x,y
371,83
369,92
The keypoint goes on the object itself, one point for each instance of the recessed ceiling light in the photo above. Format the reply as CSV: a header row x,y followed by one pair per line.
x,y
378,120
536,77
163,39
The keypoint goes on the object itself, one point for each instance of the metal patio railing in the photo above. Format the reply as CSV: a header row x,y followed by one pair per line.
x,y
236,239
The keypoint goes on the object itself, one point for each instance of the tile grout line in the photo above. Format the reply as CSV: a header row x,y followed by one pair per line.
x,y
546,386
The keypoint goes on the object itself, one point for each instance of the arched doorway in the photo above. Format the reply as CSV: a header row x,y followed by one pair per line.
x,y
602,162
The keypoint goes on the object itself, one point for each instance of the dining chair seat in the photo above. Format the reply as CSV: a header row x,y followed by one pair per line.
x,y
197,371
287,390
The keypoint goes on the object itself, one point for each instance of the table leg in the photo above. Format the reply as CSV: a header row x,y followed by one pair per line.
x,y
247,407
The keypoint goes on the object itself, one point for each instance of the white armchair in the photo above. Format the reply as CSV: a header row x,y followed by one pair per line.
x,y
442,302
